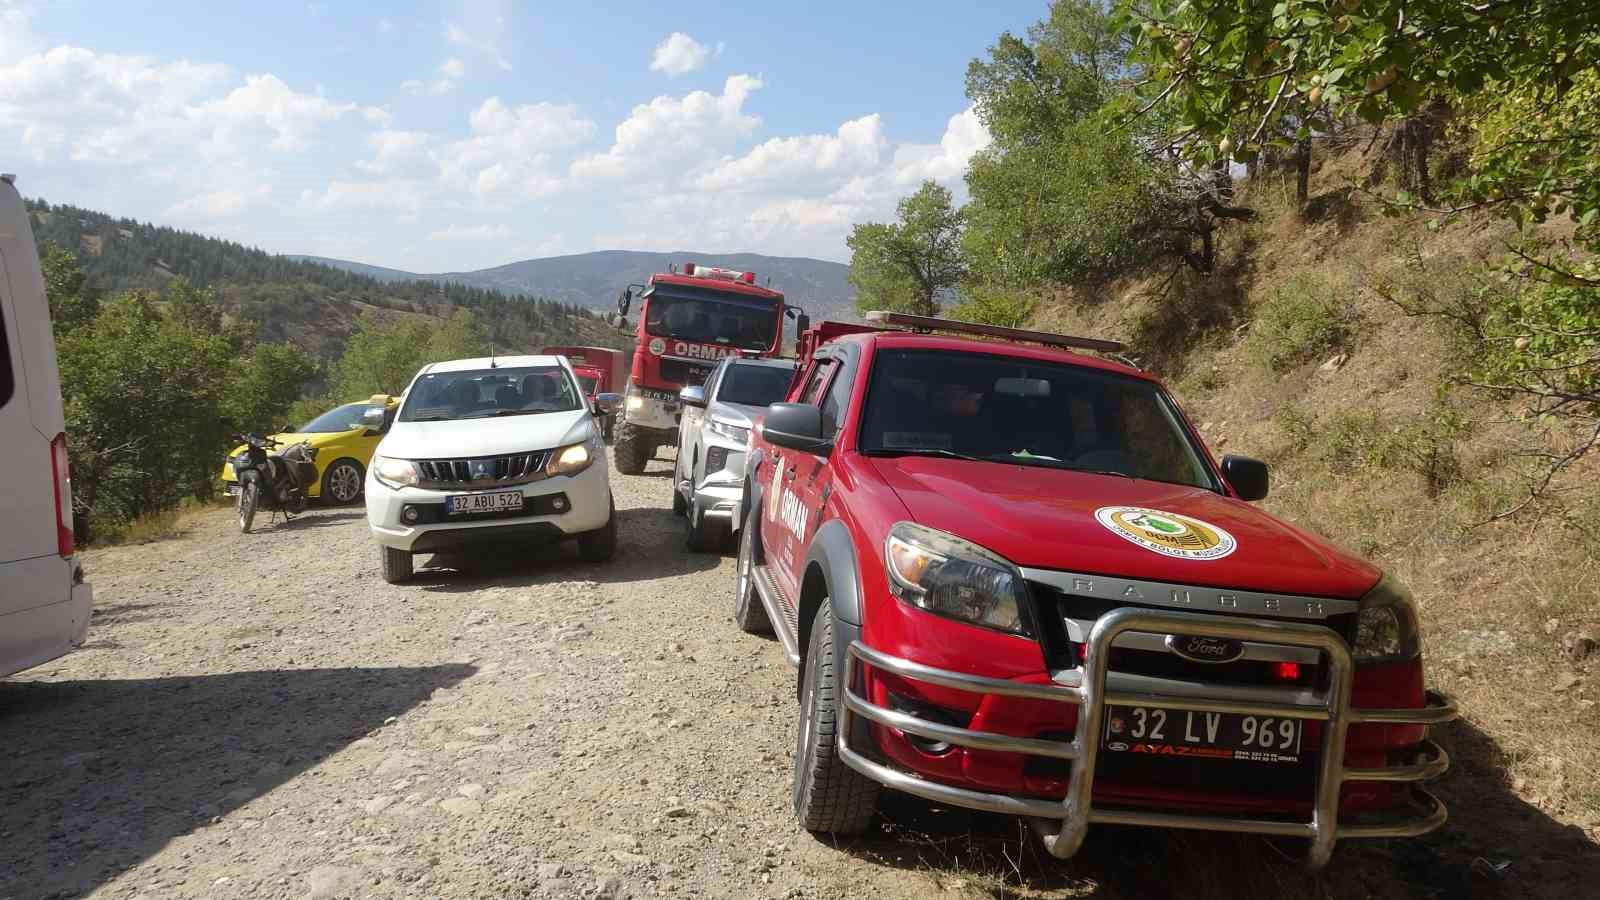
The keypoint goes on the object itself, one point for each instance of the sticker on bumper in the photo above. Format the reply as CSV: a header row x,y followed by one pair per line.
x,y
1168,534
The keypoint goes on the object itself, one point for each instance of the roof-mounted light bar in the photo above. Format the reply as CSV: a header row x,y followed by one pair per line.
x,y
698,271
931,323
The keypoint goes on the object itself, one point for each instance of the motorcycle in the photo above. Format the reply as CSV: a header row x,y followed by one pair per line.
x,y
276,481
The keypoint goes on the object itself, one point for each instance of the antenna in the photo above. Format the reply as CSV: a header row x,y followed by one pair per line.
x,y
492,364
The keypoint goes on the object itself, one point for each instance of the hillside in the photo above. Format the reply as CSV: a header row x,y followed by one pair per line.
x,y
313,305
1376,443
593,280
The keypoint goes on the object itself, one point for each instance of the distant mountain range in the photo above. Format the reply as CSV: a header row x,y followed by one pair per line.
x,y
593,280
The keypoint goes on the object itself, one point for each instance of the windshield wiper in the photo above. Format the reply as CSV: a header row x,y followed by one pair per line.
x,y
928,451
506,412
428,419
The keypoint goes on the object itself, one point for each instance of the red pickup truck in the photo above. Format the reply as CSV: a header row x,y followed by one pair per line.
x,y
1013,578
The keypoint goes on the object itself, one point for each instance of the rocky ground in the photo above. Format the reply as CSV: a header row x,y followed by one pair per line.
x,y
261,716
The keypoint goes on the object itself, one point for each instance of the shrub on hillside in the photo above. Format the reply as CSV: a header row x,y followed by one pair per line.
x,y
1303,319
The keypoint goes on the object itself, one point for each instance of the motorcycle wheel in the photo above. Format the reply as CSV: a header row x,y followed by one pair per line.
x,y
247,505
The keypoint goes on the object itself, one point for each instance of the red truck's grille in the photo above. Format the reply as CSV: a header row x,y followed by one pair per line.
x,y
684,373
1054,607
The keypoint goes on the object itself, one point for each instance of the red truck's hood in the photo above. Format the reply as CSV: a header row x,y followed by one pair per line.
x,y
1046,518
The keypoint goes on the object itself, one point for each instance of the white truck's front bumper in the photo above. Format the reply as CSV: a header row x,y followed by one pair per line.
x,y
554,509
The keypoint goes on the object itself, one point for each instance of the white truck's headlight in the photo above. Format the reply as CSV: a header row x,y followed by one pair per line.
x,y
1386,626
635,401
395,473
730,432
951,577
569,460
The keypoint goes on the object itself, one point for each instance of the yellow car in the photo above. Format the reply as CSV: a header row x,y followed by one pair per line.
x,y
344,447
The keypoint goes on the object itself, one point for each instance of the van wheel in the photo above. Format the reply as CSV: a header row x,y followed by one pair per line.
x,y
601,544
396,565
342,483
829,796
249,497
632,448
748,613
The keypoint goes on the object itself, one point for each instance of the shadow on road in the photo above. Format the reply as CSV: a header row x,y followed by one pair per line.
x,y
99,775
1495,846
650,545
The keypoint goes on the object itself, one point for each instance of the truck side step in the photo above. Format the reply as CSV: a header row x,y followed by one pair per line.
x,y
782,613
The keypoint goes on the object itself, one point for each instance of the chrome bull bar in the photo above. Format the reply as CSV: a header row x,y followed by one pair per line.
x,y
1091,688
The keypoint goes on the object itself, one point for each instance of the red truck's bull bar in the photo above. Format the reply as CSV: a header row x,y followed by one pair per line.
x,y
1092,688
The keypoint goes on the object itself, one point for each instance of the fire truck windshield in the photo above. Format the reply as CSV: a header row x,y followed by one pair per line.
x,y
711,317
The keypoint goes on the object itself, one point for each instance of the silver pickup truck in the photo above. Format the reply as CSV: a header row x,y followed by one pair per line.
x,y
713,435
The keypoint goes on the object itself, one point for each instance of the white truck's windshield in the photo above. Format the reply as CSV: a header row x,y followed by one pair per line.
x,y
711,317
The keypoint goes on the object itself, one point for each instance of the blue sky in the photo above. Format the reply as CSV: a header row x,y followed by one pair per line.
x,y
458,134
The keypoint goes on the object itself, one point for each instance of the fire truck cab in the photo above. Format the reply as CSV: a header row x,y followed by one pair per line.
x,y
688,321
1013,578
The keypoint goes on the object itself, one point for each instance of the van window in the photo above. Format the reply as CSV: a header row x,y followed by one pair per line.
x,y
8,378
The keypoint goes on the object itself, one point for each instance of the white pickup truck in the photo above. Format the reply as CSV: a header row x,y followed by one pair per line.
x,y
44,601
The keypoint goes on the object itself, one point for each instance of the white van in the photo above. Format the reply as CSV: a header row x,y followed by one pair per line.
x,y
44,601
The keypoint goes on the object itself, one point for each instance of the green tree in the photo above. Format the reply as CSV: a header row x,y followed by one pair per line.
x,y
383,358
264,384
1249,76
73,303
909,264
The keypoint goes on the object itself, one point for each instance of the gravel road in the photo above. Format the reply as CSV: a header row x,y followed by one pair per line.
x,y
261,716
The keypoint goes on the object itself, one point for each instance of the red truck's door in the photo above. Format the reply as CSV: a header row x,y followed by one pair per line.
x,y
793,497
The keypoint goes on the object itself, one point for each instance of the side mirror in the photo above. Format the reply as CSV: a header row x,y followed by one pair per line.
x,y
693,395
802,323
607,400
797,427
374,420
1248,476
624,301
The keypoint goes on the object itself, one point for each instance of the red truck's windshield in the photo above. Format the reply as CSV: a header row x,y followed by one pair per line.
x,y
1025,412
711,317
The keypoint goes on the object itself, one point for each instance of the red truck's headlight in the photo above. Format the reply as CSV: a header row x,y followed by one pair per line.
x,y
1386,626
948,576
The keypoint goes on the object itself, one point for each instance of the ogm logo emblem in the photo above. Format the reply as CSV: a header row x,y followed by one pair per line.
x,y
1169,534
657,346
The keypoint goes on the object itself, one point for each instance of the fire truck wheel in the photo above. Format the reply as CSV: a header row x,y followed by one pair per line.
x,y
632,449
829,796
748,613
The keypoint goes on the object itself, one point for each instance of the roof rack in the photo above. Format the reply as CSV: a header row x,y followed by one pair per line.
x,y
932,323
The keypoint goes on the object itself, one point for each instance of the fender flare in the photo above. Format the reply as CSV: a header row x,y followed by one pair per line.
x,y
835,552
752,480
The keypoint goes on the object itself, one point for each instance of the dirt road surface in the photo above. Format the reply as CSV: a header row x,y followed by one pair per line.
x,y
261,716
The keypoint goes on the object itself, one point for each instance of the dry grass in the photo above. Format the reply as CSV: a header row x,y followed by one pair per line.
x,y
1379,455
162,524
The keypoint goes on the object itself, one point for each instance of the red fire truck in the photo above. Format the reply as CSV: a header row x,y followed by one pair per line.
x,y
599,370
688,320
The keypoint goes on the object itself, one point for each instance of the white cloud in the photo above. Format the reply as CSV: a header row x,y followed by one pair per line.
x,y
446,77
224,204
400,153
508,155
266,103
470,233
395,196
680,54
385,26
378,115
856,147
16,32
475,40
660,136
964,136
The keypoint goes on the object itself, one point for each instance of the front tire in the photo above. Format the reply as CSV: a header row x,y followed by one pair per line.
x,y
704,535
829,796
342,483
600,545
748,612
397,566
633,448
249,499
